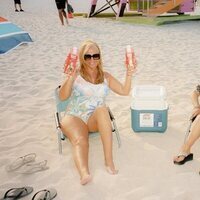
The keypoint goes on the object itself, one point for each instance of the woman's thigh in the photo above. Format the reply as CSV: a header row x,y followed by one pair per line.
x,y
98,114
74,128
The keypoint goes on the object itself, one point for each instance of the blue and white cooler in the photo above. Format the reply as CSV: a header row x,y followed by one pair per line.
x,y
149,109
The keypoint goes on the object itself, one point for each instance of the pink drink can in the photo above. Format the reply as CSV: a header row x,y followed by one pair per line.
x,y
71,61
129,56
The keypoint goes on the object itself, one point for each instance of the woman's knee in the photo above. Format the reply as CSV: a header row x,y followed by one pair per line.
x,y
103,117
80,141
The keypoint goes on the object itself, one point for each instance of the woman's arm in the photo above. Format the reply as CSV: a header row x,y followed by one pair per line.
x,y
66,88
119,88
116,86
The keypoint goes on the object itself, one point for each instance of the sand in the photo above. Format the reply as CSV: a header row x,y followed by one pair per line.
x,y
167,56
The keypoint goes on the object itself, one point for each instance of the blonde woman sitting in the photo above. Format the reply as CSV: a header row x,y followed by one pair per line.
x,y
86,90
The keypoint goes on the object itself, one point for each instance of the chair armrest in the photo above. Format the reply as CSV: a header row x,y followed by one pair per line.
x,y
111,115
57,120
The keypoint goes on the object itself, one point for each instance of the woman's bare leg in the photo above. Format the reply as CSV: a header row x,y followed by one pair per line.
x,y
193,137
77,132
100,121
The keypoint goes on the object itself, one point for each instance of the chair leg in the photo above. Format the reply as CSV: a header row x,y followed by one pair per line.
x,y
59,132
59,141
117,133
114,126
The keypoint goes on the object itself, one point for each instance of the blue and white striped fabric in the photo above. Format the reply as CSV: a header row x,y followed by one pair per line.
x,y
12,36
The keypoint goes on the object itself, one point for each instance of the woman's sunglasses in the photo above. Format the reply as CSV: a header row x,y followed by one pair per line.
x,y
94,56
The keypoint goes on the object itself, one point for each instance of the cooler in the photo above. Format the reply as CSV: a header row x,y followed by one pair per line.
x,y
149,109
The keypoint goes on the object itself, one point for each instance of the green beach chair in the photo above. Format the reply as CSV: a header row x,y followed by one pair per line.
x,y
60,112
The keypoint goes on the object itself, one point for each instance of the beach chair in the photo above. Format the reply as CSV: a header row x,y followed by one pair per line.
x,y
60,112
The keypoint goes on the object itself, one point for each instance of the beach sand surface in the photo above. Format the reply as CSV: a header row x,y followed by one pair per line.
x,y
168,55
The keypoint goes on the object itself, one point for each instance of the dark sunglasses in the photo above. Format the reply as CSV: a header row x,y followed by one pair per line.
x,y
94,56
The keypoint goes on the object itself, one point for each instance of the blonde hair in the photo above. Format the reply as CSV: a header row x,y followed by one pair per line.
x,y
86,45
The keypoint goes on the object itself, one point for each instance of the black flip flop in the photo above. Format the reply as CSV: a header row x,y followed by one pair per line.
x,y
46,194
17,193
187,158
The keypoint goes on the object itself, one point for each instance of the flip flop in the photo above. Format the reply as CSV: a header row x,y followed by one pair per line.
x,y
187,157
31,168
19,162
46,194
17,193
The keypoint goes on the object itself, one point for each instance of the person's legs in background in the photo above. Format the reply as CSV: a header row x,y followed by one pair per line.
x,y
65,16
18,2
20,7
62,15
16,8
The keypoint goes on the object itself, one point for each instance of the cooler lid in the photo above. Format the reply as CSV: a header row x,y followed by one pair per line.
x,y
149,92
149,105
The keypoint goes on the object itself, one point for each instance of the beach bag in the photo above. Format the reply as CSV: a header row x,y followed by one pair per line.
x,y
69,8
70,15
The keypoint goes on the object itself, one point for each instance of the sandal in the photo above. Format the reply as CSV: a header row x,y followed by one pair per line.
x,y
17,193
31,168
47,194
186,157
19,162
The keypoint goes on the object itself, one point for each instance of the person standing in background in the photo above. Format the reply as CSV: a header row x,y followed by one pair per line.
x,y
61,10
19,4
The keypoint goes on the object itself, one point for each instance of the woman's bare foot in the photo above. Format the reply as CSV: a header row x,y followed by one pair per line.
x,y
86,179
110,168
112,171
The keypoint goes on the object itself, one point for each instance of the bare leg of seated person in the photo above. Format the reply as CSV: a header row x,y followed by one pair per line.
x,y
100,121
77,132
193,137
